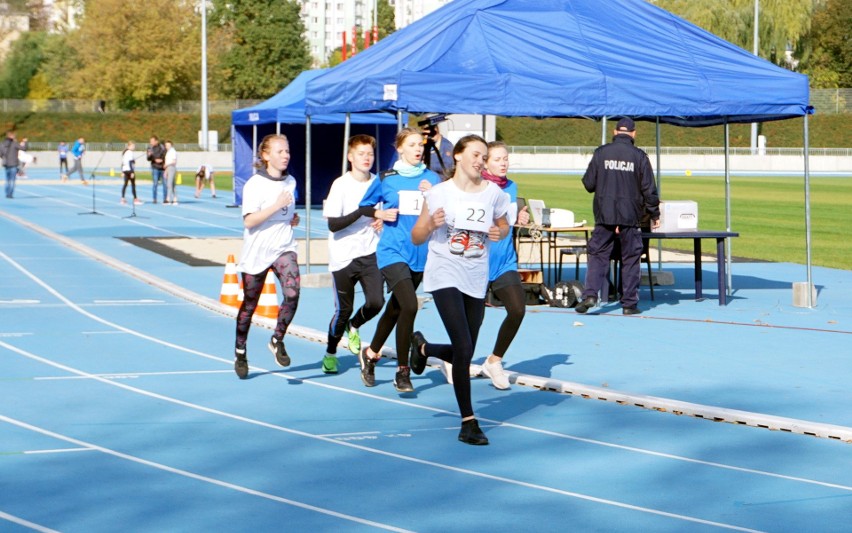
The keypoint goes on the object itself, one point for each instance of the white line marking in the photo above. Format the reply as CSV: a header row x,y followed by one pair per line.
x,y
16,302
199,477
126,375
26,523
375,451
142,301
59,450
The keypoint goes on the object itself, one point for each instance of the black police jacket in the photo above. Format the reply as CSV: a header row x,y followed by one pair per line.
x,y
622,180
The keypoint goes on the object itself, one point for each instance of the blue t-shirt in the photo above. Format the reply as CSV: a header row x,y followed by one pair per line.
x,y
395,244
502,257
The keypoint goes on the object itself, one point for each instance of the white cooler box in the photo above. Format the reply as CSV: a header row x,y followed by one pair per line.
x,y
679,215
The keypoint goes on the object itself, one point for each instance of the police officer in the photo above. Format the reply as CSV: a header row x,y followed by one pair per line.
x,y
622,180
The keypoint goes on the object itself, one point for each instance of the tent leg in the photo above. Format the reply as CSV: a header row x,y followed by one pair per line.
x,y
728,204
659,195
346,130
308,194
808,212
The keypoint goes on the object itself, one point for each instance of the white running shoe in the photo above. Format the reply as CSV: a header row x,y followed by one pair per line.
x,y
447,370
495,372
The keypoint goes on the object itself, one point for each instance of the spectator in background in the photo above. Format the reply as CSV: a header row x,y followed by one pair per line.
x,y
77,152
24,158
9,154
157,156
128,169
438,154
63,161
204,174
170,173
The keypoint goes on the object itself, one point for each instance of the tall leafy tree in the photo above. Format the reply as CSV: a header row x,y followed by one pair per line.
x,y
781,22
385,18
265,47
21,64
137,54
827,53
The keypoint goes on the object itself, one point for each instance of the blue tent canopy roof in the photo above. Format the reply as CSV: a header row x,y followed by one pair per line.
x,y
561,58
288,107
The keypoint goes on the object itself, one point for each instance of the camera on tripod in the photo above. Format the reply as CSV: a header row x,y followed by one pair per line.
x,y
430,125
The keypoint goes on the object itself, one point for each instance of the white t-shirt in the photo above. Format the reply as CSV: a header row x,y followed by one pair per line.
x,y
171,157
127,161
208,171
445,269
265,243
359,238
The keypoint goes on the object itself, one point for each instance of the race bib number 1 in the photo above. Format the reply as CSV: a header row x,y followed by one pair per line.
x,y
474,216
410,202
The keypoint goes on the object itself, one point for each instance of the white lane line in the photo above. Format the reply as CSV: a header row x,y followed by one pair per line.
x,y
133,375
18,301
58,450
199,477
140,301
409,404
347,443
26,523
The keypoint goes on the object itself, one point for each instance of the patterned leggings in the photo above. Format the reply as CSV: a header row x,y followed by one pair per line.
x,y
286,269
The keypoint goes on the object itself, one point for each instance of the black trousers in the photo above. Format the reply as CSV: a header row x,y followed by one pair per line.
x,y
600,250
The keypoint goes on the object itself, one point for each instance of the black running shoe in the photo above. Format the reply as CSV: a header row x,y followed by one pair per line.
x,y
368,368
585,304
277,348
240,363
471,434
415,356
402,380
631,310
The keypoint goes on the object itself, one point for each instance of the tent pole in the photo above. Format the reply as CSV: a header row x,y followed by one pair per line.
x,y
728,203
346,125
398,119
308,193
808,212
659,183
603,129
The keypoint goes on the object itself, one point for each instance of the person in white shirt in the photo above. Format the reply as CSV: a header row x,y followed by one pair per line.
x,y
128,169
352,239
170,173
269,216
469,205
202,175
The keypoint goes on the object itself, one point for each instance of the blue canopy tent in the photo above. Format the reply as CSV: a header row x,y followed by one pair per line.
x,y
285,113
566,58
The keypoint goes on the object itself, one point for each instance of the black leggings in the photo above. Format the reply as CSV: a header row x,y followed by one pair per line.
x,y
400,312
462,317
286,269
129,177
361,270
514,301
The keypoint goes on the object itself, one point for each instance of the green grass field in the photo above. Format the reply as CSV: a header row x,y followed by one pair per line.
x,y
767,212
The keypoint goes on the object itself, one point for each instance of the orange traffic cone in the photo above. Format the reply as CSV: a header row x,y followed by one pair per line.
x,y
230,293
268,304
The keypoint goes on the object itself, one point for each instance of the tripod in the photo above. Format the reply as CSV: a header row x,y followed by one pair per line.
x,y
92,178
427,154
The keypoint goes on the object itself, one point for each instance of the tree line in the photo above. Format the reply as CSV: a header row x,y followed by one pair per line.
x,y
142,55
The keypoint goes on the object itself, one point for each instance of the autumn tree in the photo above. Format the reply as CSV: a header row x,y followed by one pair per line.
x,y
827,52
137,54
263,46
21,64
781,22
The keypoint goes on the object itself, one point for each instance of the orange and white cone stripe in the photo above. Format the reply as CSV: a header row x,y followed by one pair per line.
x,y
268,304
230,293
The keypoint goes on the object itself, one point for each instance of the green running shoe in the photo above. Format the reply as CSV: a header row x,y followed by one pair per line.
x,y
329,364
354,341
